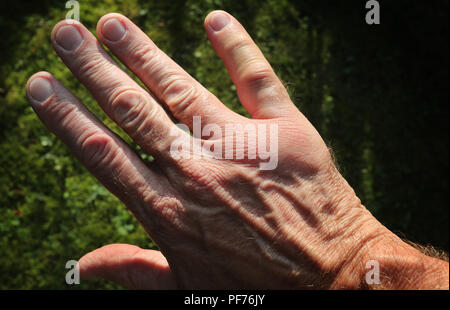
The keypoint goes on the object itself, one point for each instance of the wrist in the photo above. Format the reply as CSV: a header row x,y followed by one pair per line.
x,y
388,263
405,268
370,248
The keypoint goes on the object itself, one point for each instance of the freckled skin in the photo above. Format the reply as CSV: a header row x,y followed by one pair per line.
x,y
219,223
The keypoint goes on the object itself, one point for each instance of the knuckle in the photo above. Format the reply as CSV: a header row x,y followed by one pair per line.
x,y
62,112
256,75
143,55
129,109
96,150
169,211
254,72
238,46
179,94
91,64
137,115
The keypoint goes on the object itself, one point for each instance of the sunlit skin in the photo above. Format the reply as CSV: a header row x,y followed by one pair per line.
x,y
219,223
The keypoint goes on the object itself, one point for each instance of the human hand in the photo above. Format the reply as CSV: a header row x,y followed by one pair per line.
x,y
219,223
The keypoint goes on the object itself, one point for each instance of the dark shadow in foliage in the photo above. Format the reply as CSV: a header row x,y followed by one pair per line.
x,y
173,16
390,82
10,32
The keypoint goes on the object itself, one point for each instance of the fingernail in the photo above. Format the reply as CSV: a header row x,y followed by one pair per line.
x,y
68,37
218,21
113,30
40,89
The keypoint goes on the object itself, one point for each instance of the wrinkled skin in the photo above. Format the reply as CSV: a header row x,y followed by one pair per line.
x,y
219,223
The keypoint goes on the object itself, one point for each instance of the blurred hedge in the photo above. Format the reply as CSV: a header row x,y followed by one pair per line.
x,y
377,94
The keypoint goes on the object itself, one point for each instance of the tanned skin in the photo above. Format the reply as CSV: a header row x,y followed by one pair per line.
x,y
219,224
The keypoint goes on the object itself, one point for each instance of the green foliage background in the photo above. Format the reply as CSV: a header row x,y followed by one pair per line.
x,y
377,94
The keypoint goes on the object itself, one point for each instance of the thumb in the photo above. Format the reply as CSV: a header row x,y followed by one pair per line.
x,y
129,266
